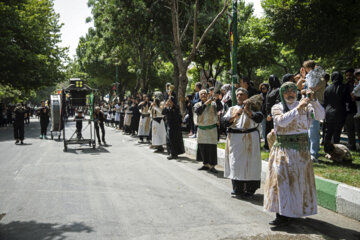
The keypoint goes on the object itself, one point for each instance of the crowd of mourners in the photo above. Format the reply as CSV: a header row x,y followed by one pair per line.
x,y
290,115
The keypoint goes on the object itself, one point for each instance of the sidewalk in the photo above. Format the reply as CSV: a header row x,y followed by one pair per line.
x,y
336,196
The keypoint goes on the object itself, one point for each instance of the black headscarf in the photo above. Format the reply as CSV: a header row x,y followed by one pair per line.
x,y
274,82
337,78
286,78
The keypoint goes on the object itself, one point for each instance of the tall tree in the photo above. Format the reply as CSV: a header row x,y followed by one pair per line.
x,y
179,51
29,53
314,28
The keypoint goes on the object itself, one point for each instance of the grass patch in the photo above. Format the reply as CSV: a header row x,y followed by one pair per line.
x,y
345,173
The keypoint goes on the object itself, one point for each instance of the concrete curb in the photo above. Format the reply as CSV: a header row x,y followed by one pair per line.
x,y
332,195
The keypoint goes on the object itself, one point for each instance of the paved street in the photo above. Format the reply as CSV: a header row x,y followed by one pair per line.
x,y
124,191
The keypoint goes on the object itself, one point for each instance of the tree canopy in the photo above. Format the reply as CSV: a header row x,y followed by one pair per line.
x,y
29,53
149,43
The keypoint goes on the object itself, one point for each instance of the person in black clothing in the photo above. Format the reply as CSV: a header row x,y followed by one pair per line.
x,y
27,118
20,114
44,114
136,117
245,83
79,119
272,98
351,124
189,112
264,88
174,139
99,119
335,97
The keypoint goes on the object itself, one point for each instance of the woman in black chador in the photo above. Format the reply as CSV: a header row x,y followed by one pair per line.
x,y
174,140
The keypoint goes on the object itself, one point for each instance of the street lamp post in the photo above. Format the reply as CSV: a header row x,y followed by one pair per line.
x,y
234,41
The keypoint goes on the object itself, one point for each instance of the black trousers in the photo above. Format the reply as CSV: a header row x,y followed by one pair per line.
x,y
19,132
207,153
43,125
352,127
102,131
245,186
268,127
333,131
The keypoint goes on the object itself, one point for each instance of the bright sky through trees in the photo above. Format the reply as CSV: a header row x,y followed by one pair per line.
x,y
73,14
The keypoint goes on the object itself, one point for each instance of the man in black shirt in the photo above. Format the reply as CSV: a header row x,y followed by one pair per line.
x,y
44,114
99,121
351,124
20,114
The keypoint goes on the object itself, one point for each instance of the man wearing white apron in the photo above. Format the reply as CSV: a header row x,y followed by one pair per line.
x,y
144,124
158,136
242,150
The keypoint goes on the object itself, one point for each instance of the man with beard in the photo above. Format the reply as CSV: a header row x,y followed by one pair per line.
x,y
206,119
128,117
158,135
242,151
290,183
144,124
44,114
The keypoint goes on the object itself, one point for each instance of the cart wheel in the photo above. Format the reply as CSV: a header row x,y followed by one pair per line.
x,y
65,148
59,137
52,136
94,146
90,143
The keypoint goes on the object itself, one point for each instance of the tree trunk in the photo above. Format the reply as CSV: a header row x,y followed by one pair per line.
x,y
183,80
176,76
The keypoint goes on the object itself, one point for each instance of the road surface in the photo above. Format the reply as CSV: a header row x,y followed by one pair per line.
x,y
125,191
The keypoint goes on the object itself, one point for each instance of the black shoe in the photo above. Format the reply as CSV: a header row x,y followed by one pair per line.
x,y
172,157
104,142
213,170
248,195
140,141
159,150
22,142
279,221
203,168
17,141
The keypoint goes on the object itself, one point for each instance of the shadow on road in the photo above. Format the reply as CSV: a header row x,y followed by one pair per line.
x,y
87,150
31,230
314,226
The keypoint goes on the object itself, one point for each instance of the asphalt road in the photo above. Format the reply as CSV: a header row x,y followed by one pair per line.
x,y
125,191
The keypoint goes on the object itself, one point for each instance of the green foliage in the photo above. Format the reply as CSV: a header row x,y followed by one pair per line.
x,y
29,55
314,28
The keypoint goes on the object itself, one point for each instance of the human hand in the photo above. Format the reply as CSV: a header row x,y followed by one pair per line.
x,y
300,84
303,103
310,94
208,101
